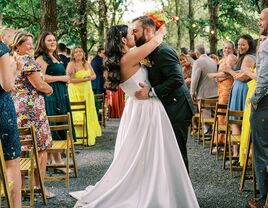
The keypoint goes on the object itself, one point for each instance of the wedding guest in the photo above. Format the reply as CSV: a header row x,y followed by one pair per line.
x,y
8,126
28,99
186,63
246,60
63,54
54,73
224,82
97,65
259,117
201,86
79,90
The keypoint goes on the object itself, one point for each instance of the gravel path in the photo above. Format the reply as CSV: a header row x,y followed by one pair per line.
x,y
213,186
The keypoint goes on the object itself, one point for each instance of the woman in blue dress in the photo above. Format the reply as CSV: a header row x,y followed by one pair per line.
x,y
8,126
247,60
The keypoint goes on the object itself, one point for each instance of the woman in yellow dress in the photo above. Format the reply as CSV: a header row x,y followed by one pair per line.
x,y
80,89
245,135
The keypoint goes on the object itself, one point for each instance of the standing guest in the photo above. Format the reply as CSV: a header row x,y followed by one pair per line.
x,y
54,73
63,54
79,90
224,81
186,63
215,58
246,60
259,116
117,103
97,65
8,126
68,52
28,100
201,86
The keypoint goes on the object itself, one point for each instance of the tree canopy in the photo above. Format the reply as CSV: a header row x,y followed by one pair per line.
x,y
85,22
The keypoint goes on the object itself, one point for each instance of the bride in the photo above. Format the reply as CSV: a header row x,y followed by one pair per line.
x,y
147,170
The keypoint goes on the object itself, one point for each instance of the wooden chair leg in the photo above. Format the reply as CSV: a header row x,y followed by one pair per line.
x,y
74,158
224,151
230,155
245,166
67,164
31,181
199,129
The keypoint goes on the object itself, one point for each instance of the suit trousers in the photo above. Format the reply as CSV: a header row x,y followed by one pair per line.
x,y
259,130
181,133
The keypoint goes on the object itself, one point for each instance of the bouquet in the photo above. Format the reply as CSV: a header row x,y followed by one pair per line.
x,y
160,18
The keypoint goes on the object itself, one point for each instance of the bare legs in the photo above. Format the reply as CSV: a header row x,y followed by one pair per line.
x,y
236,130
13,174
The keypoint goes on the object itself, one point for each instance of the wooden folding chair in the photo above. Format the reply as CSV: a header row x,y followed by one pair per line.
x,y
218,128
230,139
244,175
5,185
195,120
57,123
206,104
81,106
29,165
101,108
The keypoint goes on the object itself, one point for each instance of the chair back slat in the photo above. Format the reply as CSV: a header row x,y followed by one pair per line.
x,y
23,131
239,117
209,104
58,118
221,109
78,106
59,127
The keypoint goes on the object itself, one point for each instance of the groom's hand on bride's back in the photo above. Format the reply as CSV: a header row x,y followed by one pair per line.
x,y
143,93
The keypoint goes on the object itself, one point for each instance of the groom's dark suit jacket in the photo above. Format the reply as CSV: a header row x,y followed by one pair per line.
x,y
166,78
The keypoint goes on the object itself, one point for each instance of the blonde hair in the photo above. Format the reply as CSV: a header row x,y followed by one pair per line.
x,y
84,56
19,38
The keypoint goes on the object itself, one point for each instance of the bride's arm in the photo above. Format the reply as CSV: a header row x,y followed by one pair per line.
x,y
133,57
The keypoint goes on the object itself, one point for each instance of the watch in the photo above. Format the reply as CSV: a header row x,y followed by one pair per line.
x,y
150,94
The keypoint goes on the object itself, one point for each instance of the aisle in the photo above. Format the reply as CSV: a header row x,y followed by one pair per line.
x,y
213,186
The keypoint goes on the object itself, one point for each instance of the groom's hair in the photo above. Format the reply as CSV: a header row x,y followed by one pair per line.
x,y
146,22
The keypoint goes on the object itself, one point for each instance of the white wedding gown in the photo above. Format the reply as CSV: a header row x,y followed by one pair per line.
x,y
147,170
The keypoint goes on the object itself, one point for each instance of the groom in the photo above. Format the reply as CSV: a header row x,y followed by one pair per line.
x,y
166,78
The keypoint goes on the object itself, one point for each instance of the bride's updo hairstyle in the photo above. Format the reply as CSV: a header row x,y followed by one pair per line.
x,y
114,51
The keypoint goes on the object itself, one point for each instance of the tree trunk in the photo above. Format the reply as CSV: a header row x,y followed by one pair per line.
x,y
191,28
48,15
178,4
264,4
83,24
102,21
213,21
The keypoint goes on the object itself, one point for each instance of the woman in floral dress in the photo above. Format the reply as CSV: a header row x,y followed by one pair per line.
x,y
28,99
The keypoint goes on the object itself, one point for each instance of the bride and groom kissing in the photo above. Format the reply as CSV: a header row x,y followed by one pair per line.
x,y
150,162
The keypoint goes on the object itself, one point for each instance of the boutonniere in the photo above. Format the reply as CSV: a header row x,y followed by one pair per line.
x,y
146,62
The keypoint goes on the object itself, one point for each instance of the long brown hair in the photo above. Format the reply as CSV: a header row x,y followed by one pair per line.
x,y
41,48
